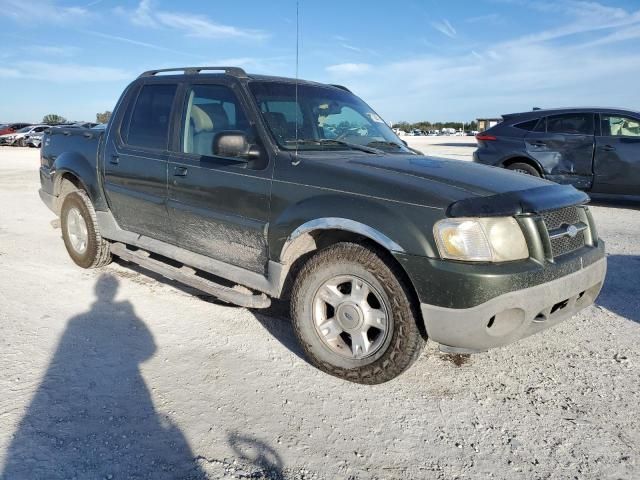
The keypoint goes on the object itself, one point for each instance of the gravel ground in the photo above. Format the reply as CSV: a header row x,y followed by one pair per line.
x,y
115,374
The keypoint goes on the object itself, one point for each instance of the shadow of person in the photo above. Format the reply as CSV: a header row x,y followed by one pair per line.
x,y
621,290
258,454
92,415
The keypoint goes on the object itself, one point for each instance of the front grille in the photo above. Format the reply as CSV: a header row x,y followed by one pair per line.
x,y
563,245
562,218
557,218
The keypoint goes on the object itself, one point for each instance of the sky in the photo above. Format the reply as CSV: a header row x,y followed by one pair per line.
x,y
411,60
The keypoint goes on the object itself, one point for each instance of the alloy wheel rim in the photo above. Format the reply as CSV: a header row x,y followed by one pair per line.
x,y
351,317
77,230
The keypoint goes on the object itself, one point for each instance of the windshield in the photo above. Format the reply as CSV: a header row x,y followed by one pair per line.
x,y
24,130
322,118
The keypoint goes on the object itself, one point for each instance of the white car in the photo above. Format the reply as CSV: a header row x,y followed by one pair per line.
x,y
19,138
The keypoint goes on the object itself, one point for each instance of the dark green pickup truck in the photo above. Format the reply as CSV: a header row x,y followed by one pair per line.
x,y
252,187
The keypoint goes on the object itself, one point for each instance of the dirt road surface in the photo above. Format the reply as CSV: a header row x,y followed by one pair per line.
x,y
116,374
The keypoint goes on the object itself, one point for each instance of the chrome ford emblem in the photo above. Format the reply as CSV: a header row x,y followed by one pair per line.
x,y
572,231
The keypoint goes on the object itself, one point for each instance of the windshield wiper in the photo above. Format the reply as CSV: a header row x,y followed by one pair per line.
x,y
353,146
327,141
384,143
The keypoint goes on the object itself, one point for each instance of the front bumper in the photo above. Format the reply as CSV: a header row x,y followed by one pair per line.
x,y
516,314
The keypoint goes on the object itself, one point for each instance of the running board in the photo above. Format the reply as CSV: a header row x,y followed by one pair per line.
x,y
187,276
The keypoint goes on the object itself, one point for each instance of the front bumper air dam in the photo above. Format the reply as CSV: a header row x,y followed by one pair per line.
x,y
514,315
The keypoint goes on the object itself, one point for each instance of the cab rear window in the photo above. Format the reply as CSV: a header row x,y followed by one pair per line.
x,y
149,122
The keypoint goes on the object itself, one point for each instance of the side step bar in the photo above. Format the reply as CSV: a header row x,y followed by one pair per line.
x,y
187,275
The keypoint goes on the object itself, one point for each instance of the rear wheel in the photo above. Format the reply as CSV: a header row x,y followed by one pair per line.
x,y
354,317
83,241
525,168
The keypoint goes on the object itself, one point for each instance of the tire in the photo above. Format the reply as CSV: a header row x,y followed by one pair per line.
x,y
77,208
21,142
525,168
341,268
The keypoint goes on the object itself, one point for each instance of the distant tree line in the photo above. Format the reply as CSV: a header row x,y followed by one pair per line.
x,y
103,117
425,125
53,119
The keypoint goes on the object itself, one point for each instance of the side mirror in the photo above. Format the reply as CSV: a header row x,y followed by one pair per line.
x,y
230,143
234,144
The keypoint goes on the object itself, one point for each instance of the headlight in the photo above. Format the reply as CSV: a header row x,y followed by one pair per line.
x,y
498,239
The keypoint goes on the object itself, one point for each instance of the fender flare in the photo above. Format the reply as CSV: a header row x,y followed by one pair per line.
x,y
337,223
80,168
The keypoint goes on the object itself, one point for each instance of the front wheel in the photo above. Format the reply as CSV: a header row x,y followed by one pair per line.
x,y
353,315
80,233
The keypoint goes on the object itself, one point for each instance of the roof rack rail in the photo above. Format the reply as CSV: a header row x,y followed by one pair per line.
x,y
341,87
233,71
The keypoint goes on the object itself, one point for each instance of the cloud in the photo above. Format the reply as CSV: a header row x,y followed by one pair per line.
x,y
445,28
52,50
139,43
41,11
9,73
201,27
488,18
196,26
585,17
351,47
551,68
142,15
65,73
349,68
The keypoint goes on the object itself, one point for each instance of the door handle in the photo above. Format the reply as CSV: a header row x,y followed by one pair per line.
x,y
115,160
180,171
538,144
608,148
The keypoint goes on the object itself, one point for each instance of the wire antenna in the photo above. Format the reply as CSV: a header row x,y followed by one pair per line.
x,y
296,161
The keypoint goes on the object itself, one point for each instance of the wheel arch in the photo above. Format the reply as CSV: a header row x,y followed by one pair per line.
x,y
306,236
318,234
77,170
523,159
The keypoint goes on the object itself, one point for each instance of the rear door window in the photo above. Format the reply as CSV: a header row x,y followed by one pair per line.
x,y
571,124
529,125
620,126
151,116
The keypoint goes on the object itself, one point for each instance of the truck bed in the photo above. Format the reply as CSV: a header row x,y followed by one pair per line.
x,y
82,142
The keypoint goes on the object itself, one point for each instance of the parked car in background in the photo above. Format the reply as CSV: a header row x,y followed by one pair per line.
x,y
9,128
375,247
594,149
19,138
34,140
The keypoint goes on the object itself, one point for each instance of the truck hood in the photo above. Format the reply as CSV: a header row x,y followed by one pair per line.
x,y
473,178
472,189
466,188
